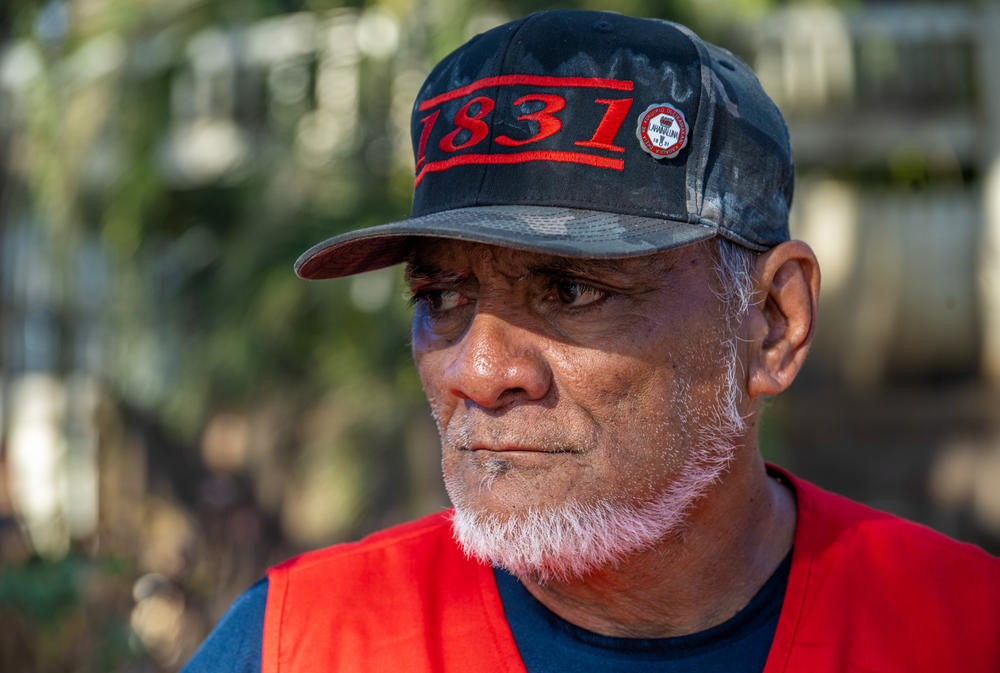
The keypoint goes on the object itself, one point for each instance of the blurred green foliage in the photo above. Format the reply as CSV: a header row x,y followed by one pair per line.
x,y
65,615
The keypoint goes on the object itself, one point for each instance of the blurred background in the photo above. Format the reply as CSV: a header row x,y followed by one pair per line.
x,y
178,411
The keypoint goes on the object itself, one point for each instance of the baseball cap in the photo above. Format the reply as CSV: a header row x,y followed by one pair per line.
x,y
585,134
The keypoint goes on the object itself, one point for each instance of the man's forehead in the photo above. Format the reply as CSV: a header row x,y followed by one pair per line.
x,y
434,258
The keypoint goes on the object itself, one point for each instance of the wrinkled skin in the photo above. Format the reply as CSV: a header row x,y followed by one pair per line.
x,y
552,383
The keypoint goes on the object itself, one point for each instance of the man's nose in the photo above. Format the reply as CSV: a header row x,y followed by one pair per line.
x,y
498,363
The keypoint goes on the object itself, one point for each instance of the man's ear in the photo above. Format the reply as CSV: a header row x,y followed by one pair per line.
x,y
783,317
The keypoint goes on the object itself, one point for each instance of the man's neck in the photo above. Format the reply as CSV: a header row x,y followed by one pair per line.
x,y
735,540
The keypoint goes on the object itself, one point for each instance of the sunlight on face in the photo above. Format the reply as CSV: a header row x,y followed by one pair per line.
x,y
578,402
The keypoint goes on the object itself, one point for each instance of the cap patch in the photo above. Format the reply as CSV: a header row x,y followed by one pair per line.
x,y
662,131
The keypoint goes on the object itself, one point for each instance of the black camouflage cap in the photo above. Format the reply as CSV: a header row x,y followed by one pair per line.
x,y
585,134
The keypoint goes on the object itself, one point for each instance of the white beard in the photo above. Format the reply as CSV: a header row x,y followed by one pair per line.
x,y
574,539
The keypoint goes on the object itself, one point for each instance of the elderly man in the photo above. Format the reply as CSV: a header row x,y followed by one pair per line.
x,y
605,291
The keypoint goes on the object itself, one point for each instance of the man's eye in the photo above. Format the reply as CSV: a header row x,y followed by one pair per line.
x,y
439,301
572,294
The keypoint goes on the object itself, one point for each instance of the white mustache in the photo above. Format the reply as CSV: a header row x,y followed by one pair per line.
x,y
468,433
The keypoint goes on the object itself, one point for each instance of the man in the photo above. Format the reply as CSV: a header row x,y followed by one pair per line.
x,y
604,292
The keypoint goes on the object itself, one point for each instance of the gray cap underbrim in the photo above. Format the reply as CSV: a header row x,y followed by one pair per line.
x,y
559,231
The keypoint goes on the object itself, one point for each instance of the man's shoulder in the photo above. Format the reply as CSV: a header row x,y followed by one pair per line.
x,y
871,591
433,530
835,526
372,601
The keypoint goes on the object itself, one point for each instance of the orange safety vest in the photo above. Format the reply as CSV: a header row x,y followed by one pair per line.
x,y
867,593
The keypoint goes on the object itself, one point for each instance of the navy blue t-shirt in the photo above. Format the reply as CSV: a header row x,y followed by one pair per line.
x,y
548,643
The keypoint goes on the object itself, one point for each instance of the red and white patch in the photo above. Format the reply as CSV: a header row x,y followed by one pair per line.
x,y
662,131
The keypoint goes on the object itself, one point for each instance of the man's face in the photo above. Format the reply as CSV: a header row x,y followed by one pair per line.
x,y
560,382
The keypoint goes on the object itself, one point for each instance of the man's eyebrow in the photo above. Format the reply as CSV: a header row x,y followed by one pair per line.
x,y
417,271
567,266
425,271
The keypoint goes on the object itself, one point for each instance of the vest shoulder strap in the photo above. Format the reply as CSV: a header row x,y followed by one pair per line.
x,y
405,599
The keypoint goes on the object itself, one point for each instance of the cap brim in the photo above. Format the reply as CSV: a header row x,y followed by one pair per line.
x,y
559,231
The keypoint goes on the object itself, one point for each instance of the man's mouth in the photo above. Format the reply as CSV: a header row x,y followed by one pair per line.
x,y
514,449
